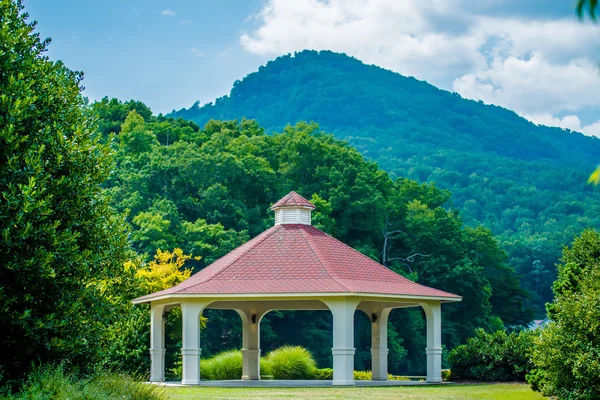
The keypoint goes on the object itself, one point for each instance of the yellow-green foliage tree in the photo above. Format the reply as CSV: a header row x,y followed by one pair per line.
x,y
126,342
165,271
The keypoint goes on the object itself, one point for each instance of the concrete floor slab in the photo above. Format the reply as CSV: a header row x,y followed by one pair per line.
x,y
298,383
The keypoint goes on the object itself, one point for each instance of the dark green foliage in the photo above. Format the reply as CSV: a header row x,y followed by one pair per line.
x,y
54,383
210,191
587,7
61,245
524,182
576,262
567,353
497,356
291,362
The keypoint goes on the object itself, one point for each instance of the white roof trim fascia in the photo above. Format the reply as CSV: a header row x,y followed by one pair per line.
x,y
316,296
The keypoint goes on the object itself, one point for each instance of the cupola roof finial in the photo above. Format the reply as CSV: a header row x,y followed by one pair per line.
x,y
293,199
293,209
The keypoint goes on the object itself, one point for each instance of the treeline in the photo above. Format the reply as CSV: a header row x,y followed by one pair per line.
x,y
207,190
524,182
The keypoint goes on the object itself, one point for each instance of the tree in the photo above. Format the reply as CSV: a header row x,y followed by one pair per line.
x,y
577,261
60,238
125,342
134,136
567,354
587,6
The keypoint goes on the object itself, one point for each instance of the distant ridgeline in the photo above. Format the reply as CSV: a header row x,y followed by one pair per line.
x,y
527,183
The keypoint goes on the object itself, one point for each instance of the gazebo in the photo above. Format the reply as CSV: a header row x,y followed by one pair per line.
x,y
295,266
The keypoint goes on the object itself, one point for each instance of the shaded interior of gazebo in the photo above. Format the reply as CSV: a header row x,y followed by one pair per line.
x,y
294,266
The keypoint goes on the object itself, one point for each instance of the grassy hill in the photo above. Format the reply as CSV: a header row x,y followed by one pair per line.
x,y
523,181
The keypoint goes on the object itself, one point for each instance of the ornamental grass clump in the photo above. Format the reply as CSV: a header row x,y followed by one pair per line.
x,y
292,362
266,370
224,366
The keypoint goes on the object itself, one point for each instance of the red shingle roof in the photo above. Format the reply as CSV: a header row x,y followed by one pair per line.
x,y
293,199
297,259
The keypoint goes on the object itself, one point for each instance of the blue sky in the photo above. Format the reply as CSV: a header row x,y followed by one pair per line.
x,y
128,49
531,56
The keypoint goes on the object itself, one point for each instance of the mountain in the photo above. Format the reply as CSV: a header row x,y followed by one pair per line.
x,y
527,183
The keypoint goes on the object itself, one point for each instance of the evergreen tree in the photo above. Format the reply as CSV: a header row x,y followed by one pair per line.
x,y
60,239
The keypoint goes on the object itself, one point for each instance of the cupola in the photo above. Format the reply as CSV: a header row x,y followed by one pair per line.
x,y
293,209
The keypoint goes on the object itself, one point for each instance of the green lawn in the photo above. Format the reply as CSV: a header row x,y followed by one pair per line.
x,y
496,391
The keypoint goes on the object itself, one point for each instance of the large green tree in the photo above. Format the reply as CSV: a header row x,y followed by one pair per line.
x,y
60,240
567,354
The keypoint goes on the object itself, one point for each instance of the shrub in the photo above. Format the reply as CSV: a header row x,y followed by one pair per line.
x,y
363,375
291,362
54,383
446,375
323,374
224,366
397,378
494,356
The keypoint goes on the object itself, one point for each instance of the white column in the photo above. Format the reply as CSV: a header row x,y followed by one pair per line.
x,y
343,340
251,343
379,344
157,343
434,341
190,349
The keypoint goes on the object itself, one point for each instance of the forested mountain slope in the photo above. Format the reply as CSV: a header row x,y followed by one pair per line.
x,y
525,182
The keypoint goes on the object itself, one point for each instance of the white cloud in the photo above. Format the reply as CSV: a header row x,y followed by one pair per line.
x,y
535,67
592,129
395,35
168,13
533,85
185,21
571,122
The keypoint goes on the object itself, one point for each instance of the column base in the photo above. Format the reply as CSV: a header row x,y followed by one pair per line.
x,y
379,364
251,364
157,365
343,366
434,364
190,366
